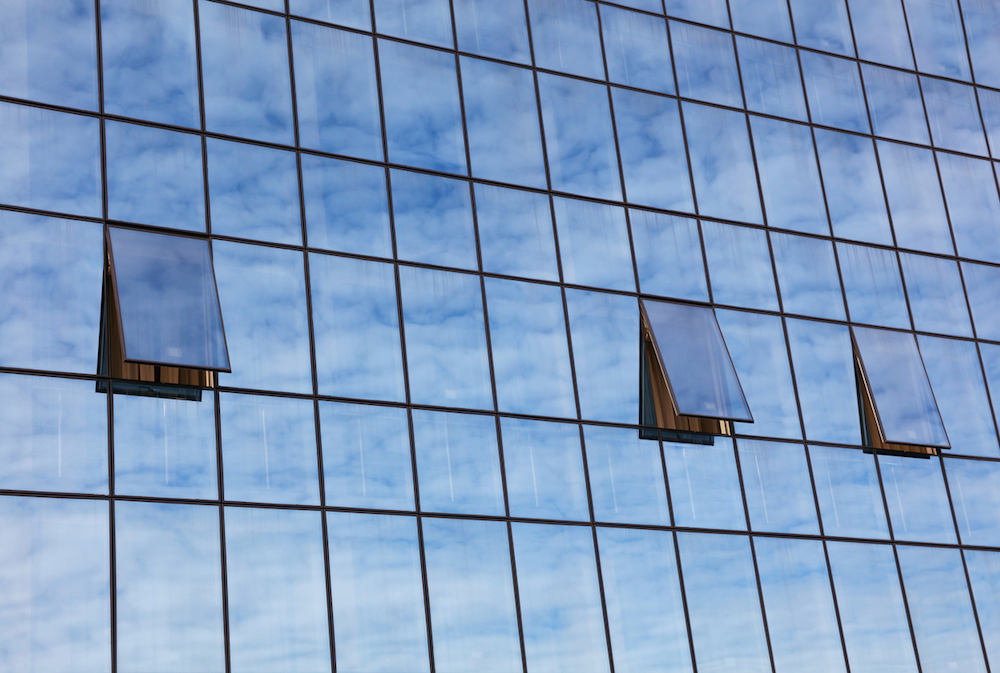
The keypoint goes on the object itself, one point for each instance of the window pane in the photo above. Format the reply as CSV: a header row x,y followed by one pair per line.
x,y
530,355
668,255
350,13
356,322
771,78
457,463
471,595
501,112
704,486
723,603
155,177
873,286
897,110
54,585
807,273
645,613
934,287
165,448
984,572
833,87
446,357
51,275
724,179
902,394
276,591
593,244
378,601
244,61
881,32
767,18
167,299
334,67
626,477
366,456
786,159
148,54
778,491
954,116
982,22
911,183
263,291
975,489
712,12
637,50
492,28
823,25
544,469
418,20
432,218
254,192
168,587
423,116
515,232
52,160
981,283
938,38
918,502
578,135
566,36
269,449
739,264
706,65
971,191
853,191
850,499
560,599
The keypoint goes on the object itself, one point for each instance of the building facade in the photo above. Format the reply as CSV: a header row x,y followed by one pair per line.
x,y
439,232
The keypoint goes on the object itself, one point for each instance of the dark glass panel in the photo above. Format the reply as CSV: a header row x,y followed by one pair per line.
x,y
975,492
953,113
706,65
350,13
847,487
515,232
566,36
938,38
637,50
897,110
544,469
493,28
417,20
767,18
823,24
934,287
778,491
626,477
873,285
594,244
704,485
971,191
917,500
432,218
789,180
881,33
739,266
833,87
771,78
668,255
807,274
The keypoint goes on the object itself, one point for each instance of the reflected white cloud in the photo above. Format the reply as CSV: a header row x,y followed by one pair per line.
x,y
706,65
432,220
566,36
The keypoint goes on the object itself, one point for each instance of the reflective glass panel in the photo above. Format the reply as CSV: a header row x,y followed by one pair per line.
x,y
767,18
971,191
982,24
560,599
515,232
49,52
706,65
263,291
269,449
636,49
648,5
423,116
254,192
975,492
544,469
954,116
366,456
902,394
833,87
778,491
786,160
934,287
54,585
723,603
594,244
739,265
165,447
955,374
347,207
917,500
823,24
989,105
378,600
850,499
873,285
652,150
432,219
771,79
984,573
897,111
492,28
276,590
578,135
853,189
457,463
881,33
626,477
938,38
148,55
530,355
807,274
712,12
446,356
471,591
244,62
982,283
872,612
724,179
168,587
668,255
351,13
418,20
167,300
51,160
645,613
801,617
51,277
567,36
704,485
698,368
501,112
356,322
336,91
155,176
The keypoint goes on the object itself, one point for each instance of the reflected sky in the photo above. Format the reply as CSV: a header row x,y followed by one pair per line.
x,y
982,21
833,86
515,232
850,499
771,78
873,285
853,192
767,18
594,244
786,161
823,25
808,276
494,28
881,33
668,255
984,573
351,13
918,503
975,491
712,12
704,486
626,477
778,491
981,283
953,114
543,465
897,110
934,288
970,189
432,220
566,36
739,265
706,65
637,50
418,20
937,36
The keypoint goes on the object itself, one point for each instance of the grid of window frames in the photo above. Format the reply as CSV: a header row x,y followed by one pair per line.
x,y
431,222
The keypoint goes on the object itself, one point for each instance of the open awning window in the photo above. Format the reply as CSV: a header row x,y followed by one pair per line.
x,y
899,412
690,385
165,308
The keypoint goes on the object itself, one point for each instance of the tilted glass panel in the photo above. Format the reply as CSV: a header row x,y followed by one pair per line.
x,y
767,18
953,113
975,492
847,487
917,500
594,244
881,33
706,65
739,266
984,574
712,12
516,233
937,301
698,368
778,490
432,220
566,36
350,13
637,50
873,285
982,284
668,255
938,38
971,191
626,477
771,78
426,21
954,371
833,87
167,300
495,28
705,485
543,466
853,190
149,60
898,383
982,24
807,274
823,24
897,110
786,161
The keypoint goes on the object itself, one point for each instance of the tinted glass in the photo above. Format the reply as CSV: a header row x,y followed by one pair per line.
x,y
566,36
704,486
975,489
833,88
853,190
706,65
636,49
911,184
739,265
594,244
786,161
934,287
918,503
351,13
712,12
823,25
544,469
808,276
492,28
984,573
897,110
981,282
626,477
982,21
515,232
873,286
668,255
881,32
973,206
847,487
778,492
418,20
432,219
954,116
937,36
771,79
767,18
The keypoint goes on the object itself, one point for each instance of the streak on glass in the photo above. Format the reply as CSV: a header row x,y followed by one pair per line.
x,y
767,18
823,25
567,36
636,49
850,499
975,492
982,24
515,232
276,590
917,500
530,353
981,284
881,33
378,602
642,592
269,449
560,599
350,13
626,477
807,274
418,20
778,491
897,110
712,12
739,265
432,218
853,189
167,300
706,65
833,87
771,78
704,485
495,28
593,244
938,38
984,573
668,255
934,287
543,465
971,190
723,603
786,160
366,456
873,285
953,113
